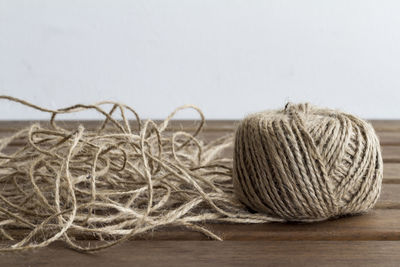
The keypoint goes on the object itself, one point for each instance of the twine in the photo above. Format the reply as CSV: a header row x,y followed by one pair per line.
x,y
115,182
305,163
112,183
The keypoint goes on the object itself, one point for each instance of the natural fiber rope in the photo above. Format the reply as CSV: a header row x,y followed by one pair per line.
x,y
114,183
307,164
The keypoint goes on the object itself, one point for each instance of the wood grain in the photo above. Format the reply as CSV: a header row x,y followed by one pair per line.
x,y
210,125
227,253
377,225
391,173
389,198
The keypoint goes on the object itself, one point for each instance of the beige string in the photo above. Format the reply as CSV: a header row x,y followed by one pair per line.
x,y
112,183
305,163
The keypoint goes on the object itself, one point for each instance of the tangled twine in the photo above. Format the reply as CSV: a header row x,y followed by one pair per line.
x,y
114,182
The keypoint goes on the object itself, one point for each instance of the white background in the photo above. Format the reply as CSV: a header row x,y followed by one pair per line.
x,y
228,57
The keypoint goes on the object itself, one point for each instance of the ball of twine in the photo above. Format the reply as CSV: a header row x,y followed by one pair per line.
x,y
305,163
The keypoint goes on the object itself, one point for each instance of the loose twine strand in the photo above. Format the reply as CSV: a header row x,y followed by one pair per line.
x,y
112,183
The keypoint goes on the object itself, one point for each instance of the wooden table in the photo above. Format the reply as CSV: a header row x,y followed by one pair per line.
x,y
367,240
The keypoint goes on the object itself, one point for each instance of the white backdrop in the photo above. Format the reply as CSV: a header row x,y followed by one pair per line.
x,y
228,57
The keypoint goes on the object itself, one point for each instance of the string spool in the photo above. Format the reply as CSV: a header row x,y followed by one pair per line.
x,y
304,163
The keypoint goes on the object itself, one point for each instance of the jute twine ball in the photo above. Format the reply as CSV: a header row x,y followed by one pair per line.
x,y
305,163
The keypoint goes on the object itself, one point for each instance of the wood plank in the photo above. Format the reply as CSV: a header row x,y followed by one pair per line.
x,y
213,129
386,125
200,253
391,154
390,197
389,138
211,125
378,224
391,173
8,126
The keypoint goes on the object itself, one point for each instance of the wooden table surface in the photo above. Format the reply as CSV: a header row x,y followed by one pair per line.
x,y
367,240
